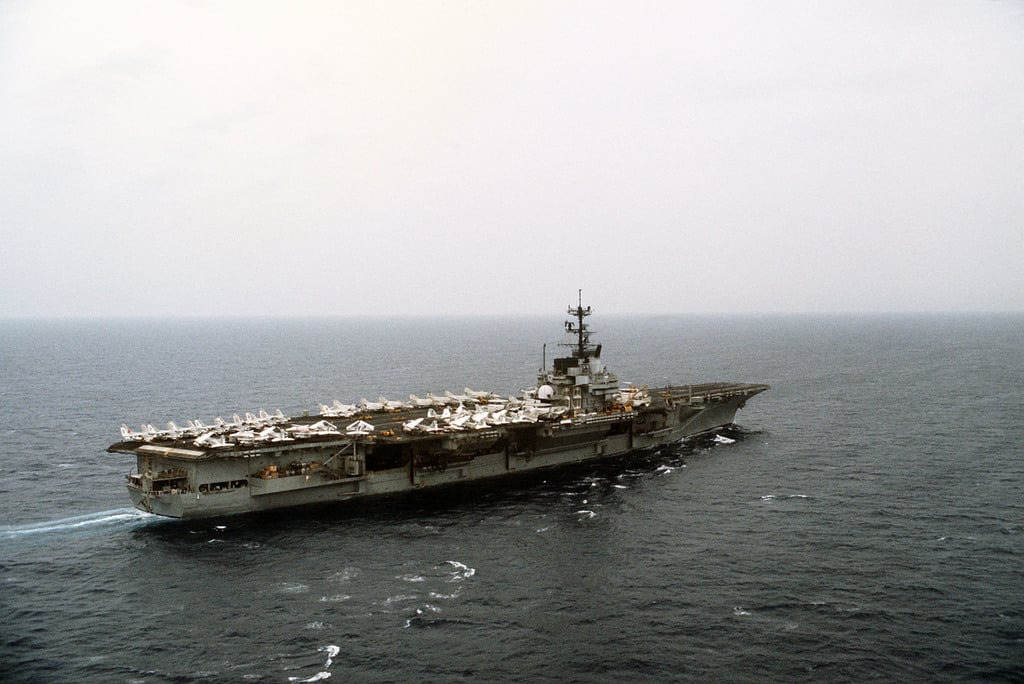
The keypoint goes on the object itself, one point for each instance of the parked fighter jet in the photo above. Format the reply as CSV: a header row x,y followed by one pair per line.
x,y
143,436
394,405
480,396
370,405
438,401
211,439
321,427
412,425
360,427
273,434
338,410
457,398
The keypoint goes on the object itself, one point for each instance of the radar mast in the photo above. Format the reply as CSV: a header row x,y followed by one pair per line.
x,y
583,348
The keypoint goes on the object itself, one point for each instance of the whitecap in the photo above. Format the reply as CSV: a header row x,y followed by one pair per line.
x,y
461,572
318,677
412,578
419,614
344,575
332,651
293,587
337,598
738,610
774,497
586,513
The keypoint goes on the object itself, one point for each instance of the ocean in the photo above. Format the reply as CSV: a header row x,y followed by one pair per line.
x,y
866,524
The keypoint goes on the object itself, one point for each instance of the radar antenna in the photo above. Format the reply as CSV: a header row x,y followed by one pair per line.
x,y
580,329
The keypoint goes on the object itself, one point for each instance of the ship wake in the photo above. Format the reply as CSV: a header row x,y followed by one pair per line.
x,y
118,516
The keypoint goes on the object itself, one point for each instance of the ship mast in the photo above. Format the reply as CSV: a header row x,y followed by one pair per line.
x,y
579,378
580,329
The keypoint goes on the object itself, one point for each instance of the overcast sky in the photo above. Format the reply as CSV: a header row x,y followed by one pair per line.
x,y
223,158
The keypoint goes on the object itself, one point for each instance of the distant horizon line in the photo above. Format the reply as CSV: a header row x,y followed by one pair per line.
x,y
491,315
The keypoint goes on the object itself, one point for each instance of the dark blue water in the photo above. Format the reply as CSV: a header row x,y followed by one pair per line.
x,y
868,524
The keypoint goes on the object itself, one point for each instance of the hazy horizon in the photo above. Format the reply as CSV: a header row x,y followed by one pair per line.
x,y
203,159
552,316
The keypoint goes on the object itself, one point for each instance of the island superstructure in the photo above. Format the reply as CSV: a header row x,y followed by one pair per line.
x,y
576,412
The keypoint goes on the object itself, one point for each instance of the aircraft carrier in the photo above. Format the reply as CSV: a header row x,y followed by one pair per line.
x,y
576,412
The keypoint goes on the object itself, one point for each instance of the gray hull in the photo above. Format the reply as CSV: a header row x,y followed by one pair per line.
x,y
577,412
188,483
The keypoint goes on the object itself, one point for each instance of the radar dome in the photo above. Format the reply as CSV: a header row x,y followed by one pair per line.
x,y
545,392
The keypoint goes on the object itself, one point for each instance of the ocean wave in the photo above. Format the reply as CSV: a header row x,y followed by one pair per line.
x,y
780,497
336,598
461,571
332,651
292,588
344,575
419,618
